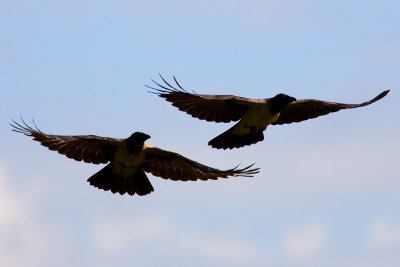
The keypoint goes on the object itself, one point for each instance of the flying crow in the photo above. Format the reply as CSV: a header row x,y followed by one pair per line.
x,y
254,115
128,159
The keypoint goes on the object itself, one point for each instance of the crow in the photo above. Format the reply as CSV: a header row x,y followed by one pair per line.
x,y
128,160
254,115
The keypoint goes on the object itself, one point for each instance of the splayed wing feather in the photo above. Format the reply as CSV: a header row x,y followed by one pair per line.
x,y
89,148
217,108
170,165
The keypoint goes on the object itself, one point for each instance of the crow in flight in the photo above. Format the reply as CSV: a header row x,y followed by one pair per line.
x,y
128,159
254,115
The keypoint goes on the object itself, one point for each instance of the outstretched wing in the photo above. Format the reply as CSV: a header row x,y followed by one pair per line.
x,y
89,148
170,165
305,109
218,108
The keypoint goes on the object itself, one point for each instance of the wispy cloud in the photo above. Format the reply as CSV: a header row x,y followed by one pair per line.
x,y
383,234
23,241
111,236
226,248
305,242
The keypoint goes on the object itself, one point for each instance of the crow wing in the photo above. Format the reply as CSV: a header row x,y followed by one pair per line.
x,y
217,108
89,148
305,109
170,165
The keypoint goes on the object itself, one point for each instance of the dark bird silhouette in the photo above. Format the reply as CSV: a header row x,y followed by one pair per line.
x,y
128,160
254,115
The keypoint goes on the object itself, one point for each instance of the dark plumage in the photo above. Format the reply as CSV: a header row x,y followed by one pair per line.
x,y
254,115
128,160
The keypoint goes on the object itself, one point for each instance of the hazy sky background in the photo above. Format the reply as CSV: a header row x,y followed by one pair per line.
x,y
328,191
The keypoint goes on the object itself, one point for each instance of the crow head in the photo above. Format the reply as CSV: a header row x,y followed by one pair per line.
x,y
280,101
136,140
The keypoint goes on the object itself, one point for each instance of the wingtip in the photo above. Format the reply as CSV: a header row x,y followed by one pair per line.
x,y
381,95
247,171
23,127
166,88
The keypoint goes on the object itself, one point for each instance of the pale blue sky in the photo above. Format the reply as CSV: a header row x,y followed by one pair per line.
x,y
328,191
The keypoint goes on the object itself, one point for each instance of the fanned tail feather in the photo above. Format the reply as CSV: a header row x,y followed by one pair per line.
x,y
229,140
107,180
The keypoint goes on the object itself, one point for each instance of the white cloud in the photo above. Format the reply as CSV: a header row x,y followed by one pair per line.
x,y
305,242
112,235
23,242
168,236
10,208
224,248
383,234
